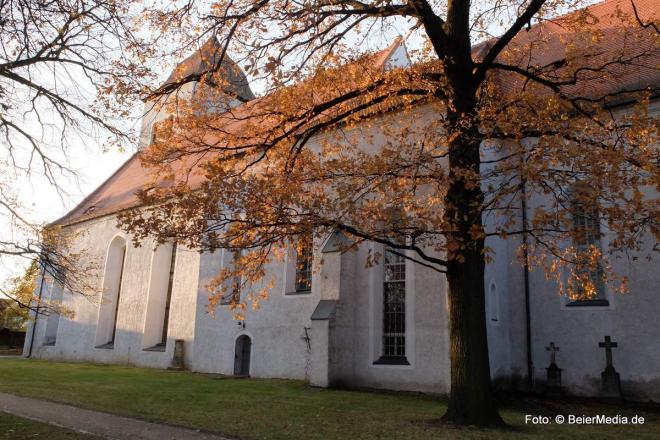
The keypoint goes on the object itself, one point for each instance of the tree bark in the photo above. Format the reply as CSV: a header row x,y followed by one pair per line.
x,y
471,400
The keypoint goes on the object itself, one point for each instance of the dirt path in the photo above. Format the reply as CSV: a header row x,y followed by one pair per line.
x,y
97,423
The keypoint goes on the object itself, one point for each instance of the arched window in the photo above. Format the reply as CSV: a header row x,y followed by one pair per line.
x,y
586,236
161,284
106,328
233,293
394,311
168,298
493,304
298,266
304,256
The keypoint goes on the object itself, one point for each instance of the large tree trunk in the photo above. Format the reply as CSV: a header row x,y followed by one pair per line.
x,y
471,399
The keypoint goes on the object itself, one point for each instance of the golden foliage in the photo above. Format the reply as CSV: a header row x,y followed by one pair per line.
x,y
430,159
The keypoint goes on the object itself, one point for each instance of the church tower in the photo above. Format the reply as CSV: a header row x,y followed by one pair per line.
x,y
209,78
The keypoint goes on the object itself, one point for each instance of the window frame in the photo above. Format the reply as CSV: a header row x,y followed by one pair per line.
x,y
396,354
589,221
304,250
290,285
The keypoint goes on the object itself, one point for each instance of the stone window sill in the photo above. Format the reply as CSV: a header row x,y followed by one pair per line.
x,y
299,292
108,346
156,348
589,303
392,360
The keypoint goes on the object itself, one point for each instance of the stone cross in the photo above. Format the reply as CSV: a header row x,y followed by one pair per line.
x,y
553,349
610,380
553,384
608,345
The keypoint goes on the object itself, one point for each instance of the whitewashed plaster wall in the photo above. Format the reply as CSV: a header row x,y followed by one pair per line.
x,y
631,320
276,329
76,335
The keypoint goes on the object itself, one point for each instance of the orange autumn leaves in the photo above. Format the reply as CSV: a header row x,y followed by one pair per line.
x,y
363,149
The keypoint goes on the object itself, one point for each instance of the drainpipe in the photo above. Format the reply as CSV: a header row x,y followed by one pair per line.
x,y
528,325
36,313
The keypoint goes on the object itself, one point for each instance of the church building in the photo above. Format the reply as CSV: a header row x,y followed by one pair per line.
x,y
345,324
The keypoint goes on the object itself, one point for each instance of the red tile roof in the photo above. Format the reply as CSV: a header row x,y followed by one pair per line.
x,y
553,44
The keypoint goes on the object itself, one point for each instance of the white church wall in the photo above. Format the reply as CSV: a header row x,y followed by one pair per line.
x,y
43,290
498,306
277,328
630,319
499,301
184,301
427,338
280,329
76,338
53,319
516,337
358,325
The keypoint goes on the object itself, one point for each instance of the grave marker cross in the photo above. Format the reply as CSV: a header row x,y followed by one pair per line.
x,y
553,349
608,345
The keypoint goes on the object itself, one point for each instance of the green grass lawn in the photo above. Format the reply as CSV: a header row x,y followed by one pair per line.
x,y
286,409
17,428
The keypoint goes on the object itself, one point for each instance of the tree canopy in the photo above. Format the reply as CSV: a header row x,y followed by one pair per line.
x,y
545,112
70,74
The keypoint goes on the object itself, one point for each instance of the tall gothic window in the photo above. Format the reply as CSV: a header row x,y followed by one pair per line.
x,y
394,307
586,228
168,300
304,256
236,281
106,330
116,313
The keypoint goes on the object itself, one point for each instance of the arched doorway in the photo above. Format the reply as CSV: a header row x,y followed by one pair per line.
x,y
242,356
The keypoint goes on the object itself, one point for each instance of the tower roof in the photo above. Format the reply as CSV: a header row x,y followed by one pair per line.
x,y
206,61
